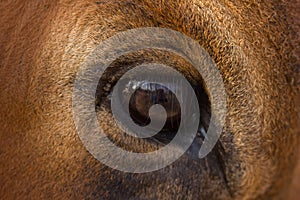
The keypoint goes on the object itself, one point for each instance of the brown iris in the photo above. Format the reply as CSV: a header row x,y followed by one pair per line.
x,y
148,94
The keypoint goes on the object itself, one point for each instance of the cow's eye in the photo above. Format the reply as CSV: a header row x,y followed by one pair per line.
x,y
146,95
140,96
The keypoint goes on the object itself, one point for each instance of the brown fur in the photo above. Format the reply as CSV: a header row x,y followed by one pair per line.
x,y
42,44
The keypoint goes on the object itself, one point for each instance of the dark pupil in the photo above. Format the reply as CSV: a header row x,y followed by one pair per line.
x,y
149,94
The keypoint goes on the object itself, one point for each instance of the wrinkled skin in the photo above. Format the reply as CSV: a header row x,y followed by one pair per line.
x,y
254,44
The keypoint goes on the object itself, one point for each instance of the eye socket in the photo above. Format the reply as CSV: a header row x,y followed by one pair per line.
x,y
145,94
142,95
